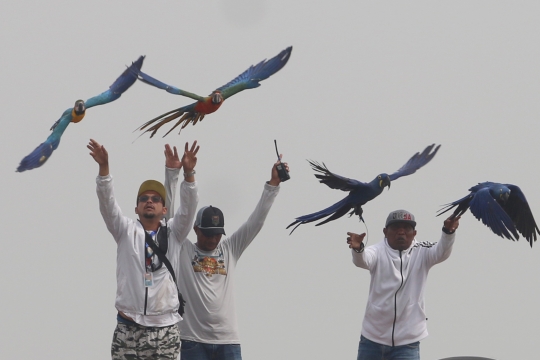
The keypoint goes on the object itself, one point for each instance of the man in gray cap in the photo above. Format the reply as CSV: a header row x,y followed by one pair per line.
x,y
395,321
206,271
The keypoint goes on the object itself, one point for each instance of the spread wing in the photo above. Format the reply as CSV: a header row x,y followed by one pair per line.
x,y
124,82
250,78
519,211
487,210
335,181
415,162
42,153
147,79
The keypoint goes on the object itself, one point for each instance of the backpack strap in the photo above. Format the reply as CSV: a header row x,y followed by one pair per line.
x,y
162,234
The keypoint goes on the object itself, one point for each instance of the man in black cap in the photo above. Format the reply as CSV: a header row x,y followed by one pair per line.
x,y
395,320
206,277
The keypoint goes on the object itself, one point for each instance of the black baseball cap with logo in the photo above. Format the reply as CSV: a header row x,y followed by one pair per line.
x,y
210,220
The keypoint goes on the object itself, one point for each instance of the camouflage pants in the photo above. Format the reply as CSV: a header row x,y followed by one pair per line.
x,y
135,342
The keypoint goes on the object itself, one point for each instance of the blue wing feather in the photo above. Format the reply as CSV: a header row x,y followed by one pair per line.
x,y
147,79
415,162
335,181
42,153
487,210
124,82
519,211
250,78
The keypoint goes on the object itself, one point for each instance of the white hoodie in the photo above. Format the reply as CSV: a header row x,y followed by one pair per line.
x,y
395,312
131,294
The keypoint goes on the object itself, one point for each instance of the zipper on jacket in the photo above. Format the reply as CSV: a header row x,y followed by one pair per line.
x,y
395,296
145,299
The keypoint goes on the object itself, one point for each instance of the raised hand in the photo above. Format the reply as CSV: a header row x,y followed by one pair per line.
x,y
100,155
171,157
274,179
189,160
355,241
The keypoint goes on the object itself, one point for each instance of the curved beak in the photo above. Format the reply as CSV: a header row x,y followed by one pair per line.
x,y
384,182
505,195
217,98
79,107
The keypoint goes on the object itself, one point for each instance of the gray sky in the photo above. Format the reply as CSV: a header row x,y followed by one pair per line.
x,y
368,85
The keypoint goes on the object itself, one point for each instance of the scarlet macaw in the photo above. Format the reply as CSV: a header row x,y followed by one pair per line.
x,y
195,112
75,114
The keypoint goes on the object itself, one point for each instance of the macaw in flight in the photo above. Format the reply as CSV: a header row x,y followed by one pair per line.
x,y
501,207
75,114
359,192
195,112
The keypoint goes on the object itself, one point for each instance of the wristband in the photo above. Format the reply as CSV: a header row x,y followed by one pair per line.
x,y
191,173
361,249
446,231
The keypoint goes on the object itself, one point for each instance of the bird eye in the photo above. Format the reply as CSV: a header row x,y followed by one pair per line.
x,y
379,177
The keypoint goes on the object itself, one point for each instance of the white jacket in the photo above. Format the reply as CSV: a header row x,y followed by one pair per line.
x,y
131,294
395,312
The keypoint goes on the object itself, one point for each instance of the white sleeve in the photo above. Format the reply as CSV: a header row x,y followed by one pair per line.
x,y
182,222
242,237
171,180
112,214
441,251
366,259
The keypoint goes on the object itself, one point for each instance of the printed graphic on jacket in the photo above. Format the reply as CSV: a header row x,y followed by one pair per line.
x,y
425,244
209,265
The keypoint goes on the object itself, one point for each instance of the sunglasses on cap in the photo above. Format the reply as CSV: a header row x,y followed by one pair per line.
x,y
154,198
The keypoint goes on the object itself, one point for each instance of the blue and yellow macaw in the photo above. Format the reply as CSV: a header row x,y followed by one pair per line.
x,y
195,112
75,114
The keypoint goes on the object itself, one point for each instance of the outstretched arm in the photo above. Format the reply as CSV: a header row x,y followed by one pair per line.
x,y
242,237
442,250
172,169
100,155
182,222
110,211
361,258
173,164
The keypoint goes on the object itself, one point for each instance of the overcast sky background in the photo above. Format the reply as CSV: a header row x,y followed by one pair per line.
x,y
368,85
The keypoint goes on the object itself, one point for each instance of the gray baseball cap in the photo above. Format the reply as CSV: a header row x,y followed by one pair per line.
x,y
400,216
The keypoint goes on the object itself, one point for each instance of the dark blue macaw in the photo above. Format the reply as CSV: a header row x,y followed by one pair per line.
x,y
195,112
75,114
359,192
501,207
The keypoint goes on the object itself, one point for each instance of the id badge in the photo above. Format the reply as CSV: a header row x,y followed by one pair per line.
x,y
148,279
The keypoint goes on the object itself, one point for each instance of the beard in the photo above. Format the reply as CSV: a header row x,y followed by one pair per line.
x,y
149,215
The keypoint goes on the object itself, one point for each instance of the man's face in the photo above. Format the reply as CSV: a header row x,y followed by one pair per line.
x,y
149,206
399,235
206,243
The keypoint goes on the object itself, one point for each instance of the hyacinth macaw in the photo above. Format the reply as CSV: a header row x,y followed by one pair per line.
x,y
195,112
75,114
359,192
501,207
